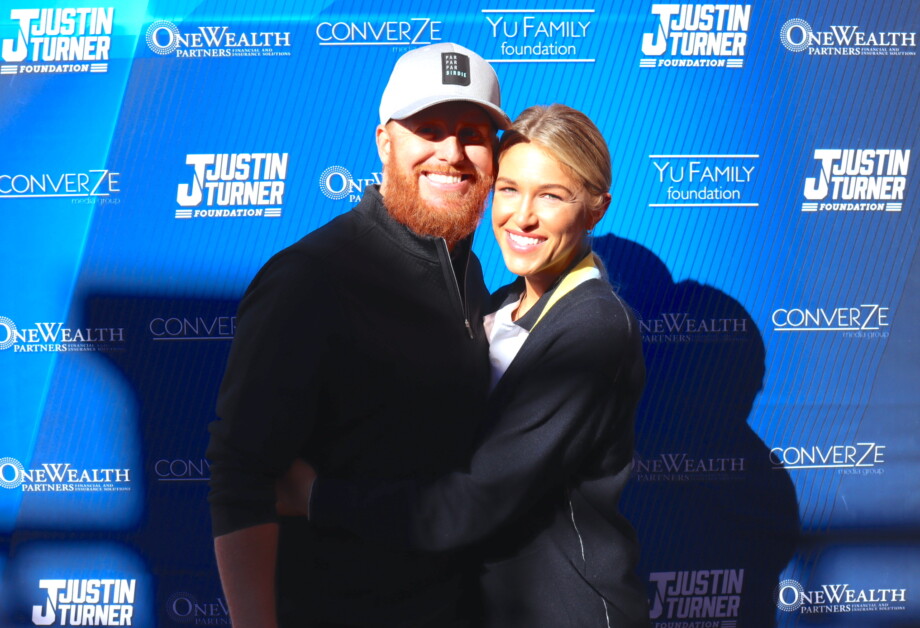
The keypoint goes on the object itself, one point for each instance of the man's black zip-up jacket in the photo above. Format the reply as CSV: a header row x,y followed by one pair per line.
x,y
359,348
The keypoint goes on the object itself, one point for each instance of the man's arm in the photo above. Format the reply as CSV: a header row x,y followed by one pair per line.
x,y
266,406
246,561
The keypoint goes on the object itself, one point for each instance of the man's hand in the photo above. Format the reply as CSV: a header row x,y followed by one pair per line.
x,y
292,490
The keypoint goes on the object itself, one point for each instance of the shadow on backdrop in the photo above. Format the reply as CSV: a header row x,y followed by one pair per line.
x,y
704,498
174,359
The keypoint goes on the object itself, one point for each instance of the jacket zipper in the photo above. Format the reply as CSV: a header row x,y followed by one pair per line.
x,y
445,259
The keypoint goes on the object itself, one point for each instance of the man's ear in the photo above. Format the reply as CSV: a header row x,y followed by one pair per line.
x,y
383,143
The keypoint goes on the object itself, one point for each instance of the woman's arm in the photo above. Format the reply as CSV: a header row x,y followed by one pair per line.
x,y
567,400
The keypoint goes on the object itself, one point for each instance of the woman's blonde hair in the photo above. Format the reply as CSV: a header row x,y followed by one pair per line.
x,y
571,137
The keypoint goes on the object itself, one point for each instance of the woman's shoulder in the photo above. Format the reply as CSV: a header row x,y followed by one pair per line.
x,y
596,304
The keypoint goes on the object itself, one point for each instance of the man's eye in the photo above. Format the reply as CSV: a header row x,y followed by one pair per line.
x,y
471,136
426,130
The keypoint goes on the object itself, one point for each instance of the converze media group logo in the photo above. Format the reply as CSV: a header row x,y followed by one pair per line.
x,y
857,459
858,180
792,597
46,337
697,36
86,602
869,320
697,596
797,35
58,41
407,31
82,186
182,328
61,477
234,185
164,38
182,470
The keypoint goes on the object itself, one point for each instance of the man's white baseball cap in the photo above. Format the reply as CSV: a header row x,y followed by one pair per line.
x,y
440,73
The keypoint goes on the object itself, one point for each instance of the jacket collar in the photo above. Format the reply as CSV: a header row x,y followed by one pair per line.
x,y
426,247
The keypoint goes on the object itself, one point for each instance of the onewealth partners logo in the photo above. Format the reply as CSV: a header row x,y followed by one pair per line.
x,y
86,602
797,35
682,467
233,185
681,327
62,477
55,41
186,608
337,183
791,597
166,39
54,337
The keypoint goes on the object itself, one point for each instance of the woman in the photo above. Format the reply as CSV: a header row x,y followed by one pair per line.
x,y
541,491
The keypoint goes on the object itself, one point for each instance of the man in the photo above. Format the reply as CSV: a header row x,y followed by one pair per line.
x,y
360,348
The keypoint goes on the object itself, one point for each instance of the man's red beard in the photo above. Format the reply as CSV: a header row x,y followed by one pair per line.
x,y
454,219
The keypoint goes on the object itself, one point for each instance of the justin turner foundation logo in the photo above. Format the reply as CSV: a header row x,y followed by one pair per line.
x,y
234,185
706,597
697,36
86,602
56,41
858,179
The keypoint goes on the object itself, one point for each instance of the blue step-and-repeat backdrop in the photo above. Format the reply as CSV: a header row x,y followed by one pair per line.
x,y
764,226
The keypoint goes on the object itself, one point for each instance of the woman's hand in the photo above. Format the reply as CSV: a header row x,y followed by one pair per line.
x,y
292,490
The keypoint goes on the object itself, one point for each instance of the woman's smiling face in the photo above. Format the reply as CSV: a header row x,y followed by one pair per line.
x,y
538,215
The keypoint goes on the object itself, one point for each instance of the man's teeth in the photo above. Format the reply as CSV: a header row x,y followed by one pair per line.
x,y
524,240
444,178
